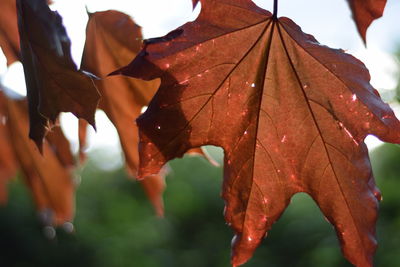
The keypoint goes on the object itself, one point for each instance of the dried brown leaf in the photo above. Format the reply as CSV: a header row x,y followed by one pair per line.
x,y
61,147
8,164
50,182
82,138
112,40
54,84
9,38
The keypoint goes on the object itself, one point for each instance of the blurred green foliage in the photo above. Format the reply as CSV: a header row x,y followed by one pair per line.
x,y
115,225
397,89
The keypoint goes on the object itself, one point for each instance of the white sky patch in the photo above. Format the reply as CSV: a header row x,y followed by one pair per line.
x,y
75,18
3,62
382,67
105,136
372,142
69,125
14,78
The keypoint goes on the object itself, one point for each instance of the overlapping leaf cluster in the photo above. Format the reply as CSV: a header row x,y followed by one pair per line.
x,y
53,78
290,114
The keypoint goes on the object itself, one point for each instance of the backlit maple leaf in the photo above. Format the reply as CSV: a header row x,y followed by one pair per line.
x,y
53,81
290,114
9,39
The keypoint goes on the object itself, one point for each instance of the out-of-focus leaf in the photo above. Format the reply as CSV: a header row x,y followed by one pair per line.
x,y
46,175
112,40
60,146
203,152
365,12
9,39
82,136
154,186
8,164
54,84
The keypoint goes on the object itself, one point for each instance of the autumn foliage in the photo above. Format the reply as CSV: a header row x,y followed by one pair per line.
x,y
290,114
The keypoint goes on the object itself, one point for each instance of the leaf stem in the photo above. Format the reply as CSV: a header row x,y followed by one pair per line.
x,y
275,12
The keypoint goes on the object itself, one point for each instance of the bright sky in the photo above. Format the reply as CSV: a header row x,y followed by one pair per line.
x,y
329,21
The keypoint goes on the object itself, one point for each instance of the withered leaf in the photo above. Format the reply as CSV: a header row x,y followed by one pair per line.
x,y
54,84
8,164
154,187
49,179
9,39
365,12
112,40
61,147
290,114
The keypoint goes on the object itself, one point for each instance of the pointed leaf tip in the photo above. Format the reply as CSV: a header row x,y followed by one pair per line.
x,y
194,3
364,13
201,151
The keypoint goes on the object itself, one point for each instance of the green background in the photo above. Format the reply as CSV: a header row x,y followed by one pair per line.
x,y
115,225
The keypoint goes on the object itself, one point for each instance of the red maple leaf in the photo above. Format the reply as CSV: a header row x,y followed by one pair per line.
x,y
365,12
290,114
